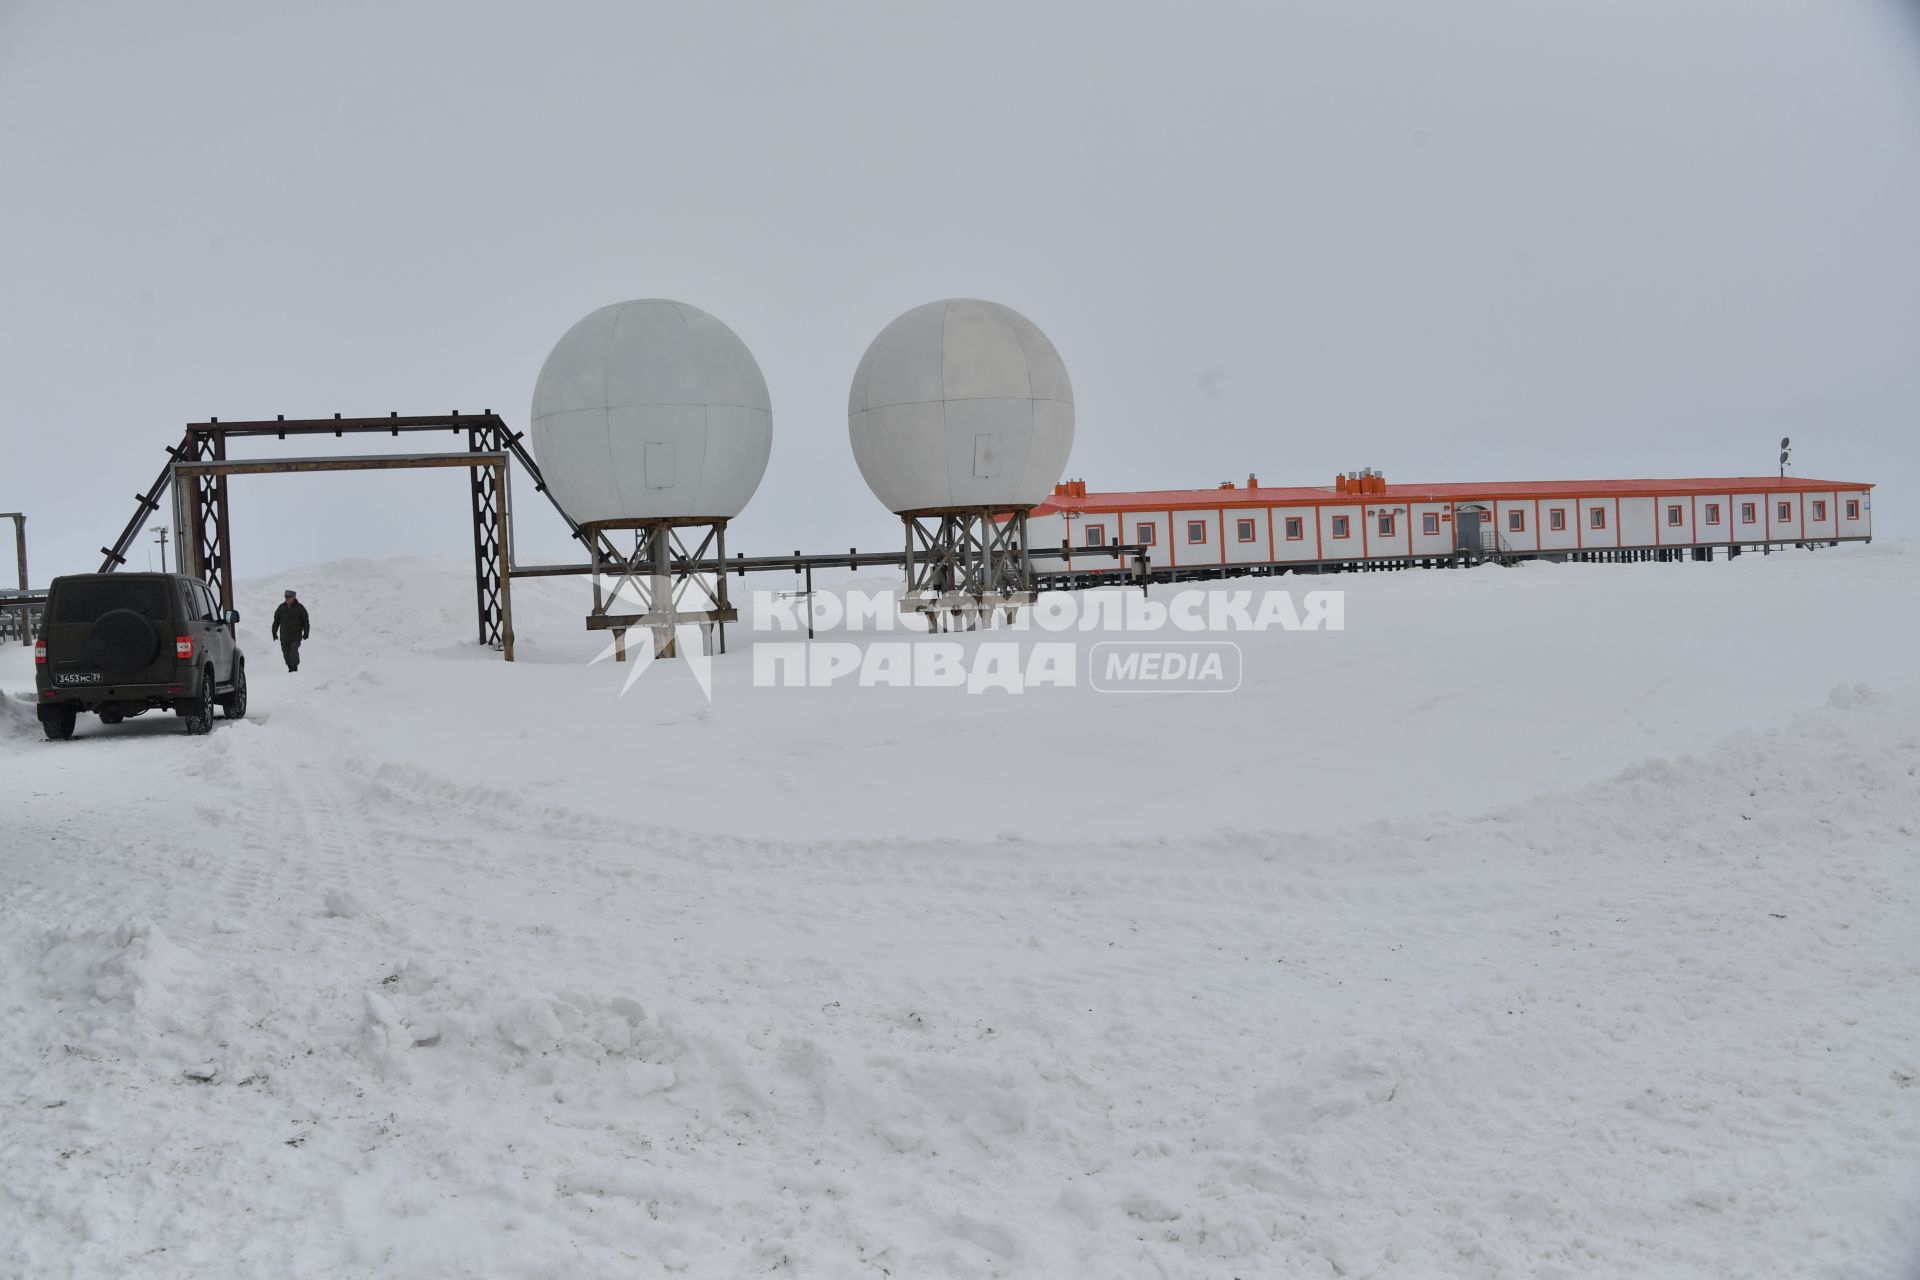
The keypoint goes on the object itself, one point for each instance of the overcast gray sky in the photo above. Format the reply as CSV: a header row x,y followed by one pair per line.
x,y
1454,241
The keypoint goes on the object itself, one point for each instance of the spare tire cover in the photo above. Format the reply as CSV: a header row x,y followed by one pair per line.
x,y
122,641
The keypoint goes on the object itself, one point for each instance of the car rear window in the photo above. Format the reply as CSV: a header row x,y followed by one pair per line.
x,y
86,600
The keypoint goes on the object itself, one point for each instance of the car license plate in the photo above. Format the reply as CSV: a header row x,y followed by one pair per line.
x,y
76,677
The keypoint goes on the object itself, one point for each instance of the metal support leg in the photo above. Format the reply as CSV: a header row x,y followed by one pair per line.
x,y
660,595
501,569
20,548
221,551
720,586
490,543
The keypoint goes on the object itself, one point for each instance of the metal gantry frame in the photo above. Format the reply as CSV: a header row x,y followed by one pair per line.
x,y
199,468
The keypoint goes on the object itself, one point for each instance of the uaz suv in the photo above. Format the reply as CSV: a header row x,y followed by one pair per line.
x,y
120,644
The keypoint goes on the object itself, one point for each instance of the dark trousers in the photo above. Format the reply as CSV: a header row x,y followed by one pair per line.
x,y
290,650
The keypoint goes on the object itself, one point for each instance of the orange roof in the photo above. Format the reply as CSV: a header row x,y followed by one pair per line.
x,y
1480,491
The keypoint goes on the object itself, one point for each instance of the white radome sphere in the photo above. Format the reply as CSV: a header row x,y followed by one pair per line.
x,y
961,403
651,410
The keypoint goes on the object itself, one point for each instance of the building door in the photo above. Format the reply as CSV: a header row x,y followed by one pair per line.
x,y
1466,529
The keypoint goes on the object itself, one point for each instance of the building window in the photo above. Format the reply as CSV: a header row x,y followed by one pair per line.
x,y
1783,512
1853,508
1819,511
1196,531
1386,525
1596,518
1244,530
1713,513
1673,515
1340,526
1149,534
1295,529
1516,522
1430,523
1096,535
1749,513
1557,519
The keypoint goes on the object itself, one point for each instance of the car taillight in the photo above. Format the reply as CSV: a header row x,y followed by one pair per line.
x,y
183,647
40,652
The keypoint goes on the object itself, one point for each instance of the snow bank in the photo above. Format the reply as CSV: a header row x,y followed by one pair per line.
x,y
17,716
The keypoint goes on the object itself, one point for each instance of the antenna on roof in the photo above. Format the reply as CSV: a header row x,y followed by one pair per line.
x,y
1785,442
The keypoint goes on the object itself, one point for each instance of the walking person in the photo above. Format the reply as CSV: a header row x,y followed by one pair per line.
x,y
290,628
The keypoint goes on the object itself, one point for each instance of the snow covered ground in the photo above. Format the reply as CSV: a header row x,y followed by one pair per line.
x,y
1548,922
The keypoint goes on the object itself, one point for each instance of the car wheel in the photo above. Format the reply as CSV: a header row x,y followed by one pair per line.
x,y
235,703
199,711
111,717
58,722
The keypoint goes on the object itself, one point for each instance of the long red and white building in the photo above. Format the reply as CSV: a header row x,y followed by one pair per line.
x,y
1361,520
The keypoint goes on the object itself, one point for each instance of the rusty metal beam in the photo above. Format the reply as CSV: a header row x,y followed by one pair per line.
x,y
394,423
365,462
